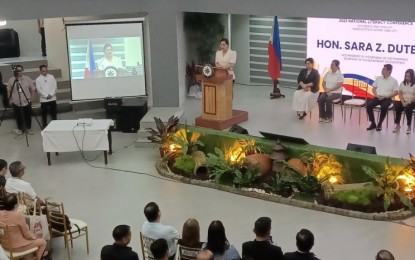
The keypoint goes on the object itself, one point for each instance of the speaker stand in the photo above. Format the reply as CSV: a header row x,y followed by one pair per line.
x,y
238,116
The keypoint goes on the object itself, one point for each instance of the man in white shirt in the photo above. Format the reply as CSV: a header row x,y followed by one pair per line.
x,y
16,184
384,89
152,228
109,60
46,88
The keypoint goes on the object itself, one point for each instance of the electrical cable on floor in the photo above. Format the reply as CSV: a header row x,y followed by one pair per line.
x,y
87,161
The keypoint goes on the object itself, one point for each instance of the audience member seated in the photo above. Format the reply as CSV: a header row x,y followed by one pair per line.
x,y
160,249
3,171
120,249
191,234
261,248
21,237
152,228
218,244
305,241
205,255
16,184
384,255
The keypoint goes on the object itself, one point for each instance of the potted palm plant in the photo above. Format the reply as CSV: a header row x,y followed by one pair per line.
x,y
162,133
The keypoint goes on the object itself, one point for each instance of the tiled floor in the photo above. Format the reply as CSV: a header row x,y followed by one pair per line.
x,y
105,197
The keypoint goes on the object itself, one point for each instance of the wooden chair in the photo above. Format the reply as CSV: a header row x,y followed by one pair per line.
x,y
187,253
354,102
56,217
7,244
30,203
145,247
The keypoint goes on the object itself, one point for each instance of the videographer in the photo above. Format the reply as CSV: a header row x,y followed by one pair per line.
x,y
22,95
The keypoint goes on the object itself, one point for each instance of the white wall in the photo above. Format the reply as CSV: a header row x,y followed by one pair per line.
x,y
29,37
240,43
182,58
56,46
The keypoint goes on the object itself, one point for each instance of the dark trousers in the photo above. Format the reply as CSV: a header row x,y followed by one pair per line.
x,y
399,108
43,41
384,106
45,106
325,104
23,113
3,93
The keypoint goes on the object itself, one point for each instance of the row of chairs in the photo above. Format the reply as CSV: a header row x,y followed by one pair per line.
x,y
182,252
58,226
360,102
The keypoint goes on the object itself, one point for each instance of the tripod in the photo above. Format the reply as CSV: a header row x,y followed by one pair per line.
x,y
23,111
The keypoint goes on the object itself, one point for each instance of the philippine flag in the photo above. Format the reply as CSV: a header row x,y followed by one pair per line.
x,y
274,52
91,62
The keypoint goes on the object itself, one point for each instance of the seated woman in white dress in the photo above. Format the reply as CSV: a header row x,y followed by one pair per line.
x,y
305,97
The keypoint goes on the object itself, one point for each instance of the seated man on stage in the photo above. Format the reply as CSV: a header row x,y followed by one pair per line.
x,y
22,92
385,88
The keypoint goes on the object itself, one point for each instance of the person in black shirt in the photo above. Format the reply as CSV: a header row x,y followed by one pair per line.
x,y
262,247
160,249
3,92
3,171
119,250
305,241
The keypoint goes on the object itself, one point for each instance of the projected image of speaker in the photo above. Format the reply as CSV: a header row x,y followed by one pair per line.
x,y
238,129
361,148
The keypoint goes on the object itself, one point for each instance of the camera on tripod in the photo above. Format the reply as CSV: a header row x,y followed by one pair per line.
x,y
15,70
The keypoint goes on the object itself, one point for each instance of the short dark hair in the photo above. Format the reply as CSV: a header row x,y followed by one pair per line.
x,y
42,66
10,201
305,240
388,67
384,255
3,164
107,45
120,232
225,40
159,248
336,62
15,168
311,60
151,211
262,226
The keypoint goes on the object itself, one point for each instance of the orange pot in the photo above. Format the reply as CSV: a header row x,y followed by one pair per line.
x,y
264,161
299,165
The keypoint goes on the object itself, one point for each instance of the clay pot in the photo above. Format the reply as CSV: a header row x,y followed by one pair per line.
x,y
298,165
264,161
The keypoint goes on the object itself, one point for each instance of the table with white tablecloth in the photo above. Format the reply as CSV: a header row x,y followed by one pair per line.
x,y
70,136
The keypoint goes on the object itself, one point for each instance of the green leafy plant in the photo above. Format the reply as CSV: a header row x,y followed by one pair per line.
x,y
279,185
245,177
204,30
249,146
185,163
308,184
186,141
386,183
219,167
162,133
362,197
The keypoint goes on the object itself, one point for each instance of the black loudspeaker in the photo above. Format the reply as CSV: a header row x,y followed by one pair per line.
x,y
361,148
9,43
238,129
132,111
